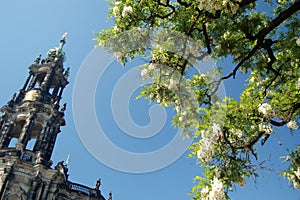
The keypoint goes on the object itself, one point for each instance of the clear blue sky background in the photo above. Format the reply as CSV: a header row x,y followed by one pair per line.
x,y
31,27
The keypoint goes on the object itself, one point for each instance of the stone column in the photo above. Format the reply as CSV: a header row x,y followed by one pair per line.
x,y
39,142
60,95
5,134
5,180
1,122
34,188
26,82
45,193
47,80
33,82
21,92
51,142
55,91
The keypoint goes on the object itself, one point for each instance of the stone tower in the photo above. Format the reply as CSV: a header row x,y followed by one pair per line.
x,y
29,125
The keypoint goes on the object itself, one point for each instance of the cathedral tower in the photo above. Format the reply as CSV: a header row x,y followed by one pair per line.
x,y
29,125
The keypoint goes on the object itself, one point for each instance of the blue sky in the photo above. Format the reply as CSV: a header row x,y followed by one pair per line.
x,y
31,27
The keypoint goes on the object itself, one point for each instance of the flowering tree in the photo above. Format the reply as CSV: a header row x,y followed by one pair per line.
x,y
260,38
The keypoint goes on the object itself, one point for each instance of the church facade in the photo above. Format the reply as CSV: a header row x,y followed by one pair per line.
x,y
29,125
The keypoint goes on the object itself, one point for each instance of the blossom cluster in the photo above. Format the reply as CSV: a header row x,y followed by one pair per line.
x,y
216,192
208,141
292,124
145,73
298,84
226,5
294,177
171,89
148,70
117,8
265,109
126,11
237,132
121,57
266,128
298,41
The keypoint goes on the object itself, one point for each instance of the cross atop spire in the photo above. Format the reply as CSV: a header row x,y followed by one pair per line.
x,y
62,41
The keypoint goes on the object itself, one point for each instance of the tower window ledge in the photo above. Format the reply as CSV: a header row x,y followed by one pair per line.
x,y
9,152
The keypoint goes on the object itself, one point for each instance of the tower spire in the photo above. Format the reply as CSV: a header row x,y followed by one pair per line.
x,y
35,114
29,125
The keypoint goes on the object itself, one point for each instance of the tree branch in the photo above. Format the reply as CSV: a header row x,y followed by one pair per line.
x,y
185,4
277,21
294,108
167,5
260,40
207,40
245,2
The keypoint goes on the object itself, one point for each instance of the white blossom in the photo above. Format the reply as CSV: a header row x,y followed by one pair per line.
x,y
296,185
226,5
205,190
152,67
202,76
292,124
252,79
184,113
116,28
216,192
206,58
203,133
265,109
120,56
226,35
209,138
206,150
265,128
216,128
297,173
172,84
225,2
217,185
298,41
236,132
126,11
298,84
239,133
294,176
116,8
145,73
243,70
183,116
